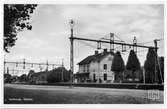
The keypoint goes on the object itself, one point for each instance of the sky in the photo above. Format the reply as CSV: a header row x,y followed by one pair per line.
x,y
49,37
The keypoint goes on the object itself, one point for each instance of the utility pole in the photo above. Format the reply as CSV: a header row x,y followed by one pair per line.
x,y
62,75
4,66
71,52
47,65
7,70
156,45
40,67
98,45
155,72
144,77
111,40
135,43
157,61
24,63
13,71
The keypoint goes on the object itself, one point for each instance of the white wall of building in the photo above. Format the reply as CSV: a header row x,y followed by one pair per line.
x,y
98,69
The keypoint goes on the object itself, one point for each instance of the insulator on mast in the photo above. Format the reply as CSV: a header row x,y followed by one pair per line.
x,y
24,63
98,45
16,64
134,44
123,48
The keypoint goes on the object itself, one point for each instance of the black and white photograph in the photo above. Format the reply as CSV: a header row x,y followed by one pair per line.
x,y
91,53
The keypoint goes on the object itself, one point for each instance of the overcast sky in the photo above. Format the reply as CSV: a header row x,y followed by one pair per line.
x,y
49,37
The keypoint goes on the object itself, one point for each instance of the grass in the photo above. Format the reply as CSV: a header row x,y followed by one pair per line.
x,y
58,95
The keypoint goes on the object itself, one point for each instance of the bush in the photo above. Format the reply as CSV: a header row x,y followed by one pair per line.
x,y
7,78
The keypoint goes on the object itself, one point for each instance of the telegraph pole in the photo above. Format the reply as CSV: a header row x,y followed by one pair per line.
x,y
62,75
157,61
47,65
135,43
24,63
111,40
7,72
144,81
155,73
156,45
4,66
71,52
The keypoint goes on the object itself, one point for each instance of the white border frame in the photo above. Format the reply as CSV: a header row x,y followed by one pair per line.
x,y
81,106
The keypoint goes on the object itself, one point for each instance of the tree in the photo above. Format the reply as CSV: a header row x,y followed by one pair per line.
x,y
7,78
133,63
118,66
23,78
152,73
161,67
56,75
31,72
16,19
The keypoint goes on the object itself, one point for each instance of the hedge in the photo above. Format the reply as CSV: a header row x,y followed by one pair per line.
x,y
114,85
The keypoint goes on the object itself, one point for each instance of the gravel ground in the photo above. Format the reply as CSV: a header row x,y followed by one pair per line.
x,y
38,94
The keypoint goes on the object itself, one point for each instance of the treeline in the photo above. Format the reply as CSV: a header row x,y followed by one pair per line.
x,y
151,72
8,78
60,74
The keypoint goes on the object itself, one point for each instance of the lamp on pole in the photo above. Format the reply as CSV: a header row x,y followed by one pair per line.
x,y
71,52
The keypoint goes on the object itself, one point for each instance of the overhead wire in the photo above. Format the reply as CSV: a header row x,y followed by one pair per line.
x,y
90,35
118,37
87,44
107,35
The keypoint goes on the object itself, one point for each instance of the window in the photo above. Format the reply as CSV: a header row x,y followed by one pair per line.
x,y
105,66
105,77
94,77
83,68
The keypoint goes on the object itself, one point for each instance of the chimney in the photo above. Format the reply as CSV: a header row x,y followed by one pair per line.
x,y
96,52
105,50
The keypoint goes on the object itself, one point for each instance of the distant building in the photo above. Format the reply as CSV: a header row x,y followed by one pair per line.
x,y
96,68
37,78
60,74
